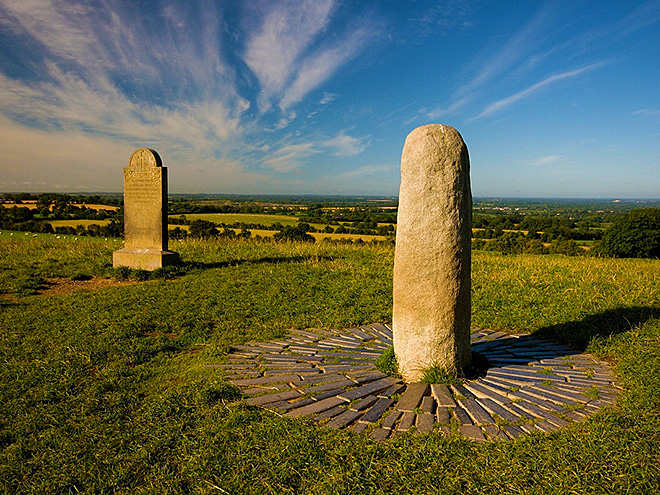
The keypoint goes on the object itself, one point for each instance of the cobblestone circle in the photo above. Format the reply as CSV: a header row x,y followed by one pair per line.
x,y
532,385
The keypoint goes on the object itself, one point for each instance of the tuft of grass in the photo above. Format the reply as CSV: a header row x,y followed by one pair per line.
x,y
436,374
386,362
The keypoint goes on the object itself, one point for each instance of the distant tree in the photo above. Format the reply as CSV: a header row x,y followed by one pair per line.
x,y
293,233
634,235
202,229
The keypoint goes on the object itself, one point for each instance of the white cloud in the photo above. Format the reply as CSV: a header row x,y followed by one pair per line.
x,y
286,31
328,98
648,112
547,160
289,157
290,57
535,88
345,145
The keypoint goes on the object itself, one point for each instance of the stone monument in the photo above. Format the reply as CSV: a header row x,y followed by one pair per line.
x,y
431,314
145,214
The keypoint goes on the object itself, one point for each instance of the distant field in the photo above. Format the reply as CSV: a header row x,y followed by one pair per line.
x,y
75,223
33,206
263,219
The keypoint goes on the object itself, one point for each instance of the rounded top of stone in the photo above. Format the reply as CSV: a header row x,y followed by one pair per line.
x,y
440,130
145,158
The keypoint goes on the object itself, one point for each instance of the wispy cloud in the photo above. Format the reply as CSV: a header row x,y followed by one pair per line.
x,y
345,145
289,55
289,158
648,112
546,160
535,88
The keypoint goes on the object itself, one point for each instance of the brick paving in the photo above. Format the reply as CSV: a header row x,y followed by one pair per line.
x,y
531,385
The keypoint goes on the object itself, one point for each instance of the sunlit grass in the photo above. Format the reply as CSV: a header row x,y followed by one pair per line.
x,y
106,391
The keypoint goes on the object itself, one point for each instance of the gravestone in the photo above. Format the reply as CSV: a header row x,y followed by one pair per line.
x,y
431,313
145,214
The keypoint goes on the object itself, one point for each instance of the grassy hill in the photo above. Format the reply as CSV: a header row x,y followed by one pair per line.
x,y
105,390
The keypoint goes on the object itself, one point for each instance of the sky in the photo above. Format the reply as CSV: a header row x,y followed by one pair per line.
x,y
553,98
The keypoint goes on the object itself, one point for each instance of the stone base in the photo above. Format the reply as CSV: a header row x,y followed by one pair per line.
x,y
144,259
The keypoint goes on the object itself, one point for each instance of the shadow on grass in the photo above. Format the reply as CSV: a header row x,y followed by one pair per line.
x,y
601,325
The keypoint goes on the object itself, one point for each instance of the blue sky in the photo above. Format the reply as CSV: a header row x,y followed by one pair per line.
x,y
554,99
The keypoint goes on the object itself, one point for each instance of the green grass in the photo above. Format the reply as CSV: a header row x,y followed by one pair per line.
x,y
105,392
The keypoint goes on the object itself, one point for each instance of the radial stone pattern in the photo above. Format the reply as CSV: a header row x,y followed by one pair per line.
x,y
531,385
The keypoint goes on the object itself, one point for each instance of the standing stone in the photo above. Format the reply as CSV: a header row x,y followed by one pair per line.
x,y
431,314
145,214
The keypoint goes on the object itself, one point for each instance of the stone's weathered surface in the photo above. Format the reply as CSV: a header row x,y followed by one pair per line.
x,y
145,214
431,314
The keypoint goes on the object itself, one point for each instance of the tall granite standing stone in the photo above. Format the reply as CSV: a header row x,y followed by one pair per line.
x,y
431,314
145,214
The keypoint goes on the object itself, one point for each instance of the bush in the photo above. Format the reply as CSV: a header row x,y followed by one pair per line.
x,y
635,235
291,233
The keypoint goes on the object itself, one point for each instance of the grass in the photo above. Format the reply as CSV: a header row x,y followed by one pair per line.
x,y
106,391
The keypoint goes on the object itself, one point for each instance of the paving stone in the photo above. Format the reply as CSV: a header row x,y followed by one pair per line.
x,y
298,371
268,399
379,434
472,432
330,393
230,366
495,408
377,410
496,434
359,427
287,405
344,419
370,388
330,413
412,397
319,379
443,415
266,379
547,416
327,386
478,414
561,392
520,411
244,375
442,395
391,419
365,403
315,408
513,431
523,394
394,389
461,390
424,423
428,405
382,329
462,416
366,377
480,391
407,420
545,426
574,416
494,387
364,336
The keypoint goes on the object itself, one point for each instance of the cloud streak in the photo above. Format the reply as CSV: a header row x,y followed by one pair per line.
x,y
533,89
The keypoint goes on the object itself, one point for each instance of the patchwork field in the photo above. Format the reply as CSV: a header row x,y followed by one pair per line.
x,y
230,218
106,390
